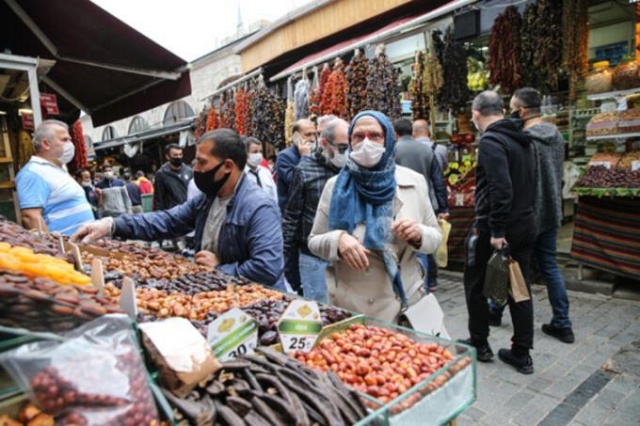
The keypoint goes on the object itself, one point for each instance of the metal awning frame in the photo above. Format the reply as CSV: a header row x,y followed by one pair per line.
x,y
30,66
146,135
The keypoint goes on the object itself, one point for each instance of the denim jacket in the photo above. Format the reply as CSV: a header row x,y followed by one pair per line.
x,y
250,242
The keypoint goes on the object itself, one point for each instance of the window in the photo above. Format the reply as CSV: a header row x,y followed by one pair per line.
x,y
138,125
177,112
109,133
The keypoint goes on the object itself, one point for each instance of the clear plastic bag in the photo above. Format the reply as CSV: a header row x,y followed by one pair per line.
x,y
93,375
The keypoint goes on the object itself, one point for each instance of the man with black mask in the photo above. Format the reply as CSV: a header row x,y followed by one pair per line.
x,y
309,178
505,185
172,180
237,225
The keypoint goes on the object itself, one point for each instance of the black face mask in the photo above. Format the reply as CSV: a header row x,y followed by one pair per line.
x,y
176,162
205,183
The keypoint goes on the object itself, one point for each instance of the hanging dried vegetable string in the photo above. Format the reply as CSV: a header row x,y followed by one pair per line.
x,y
224,111
528,44
80,159
201,122
504,51
301,98
383,88
454,92
419,99
241,111
268,115
289,115
212,119
334,93
432,79
357,84
575,33
324,89
315,95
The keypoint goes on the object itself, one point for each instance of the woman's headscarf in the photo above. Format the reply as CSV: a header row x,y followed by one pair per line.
x,y
365,195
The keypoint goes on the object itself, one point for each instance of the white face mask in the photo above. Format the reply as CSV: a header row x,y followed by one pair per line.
x,y
339,160
86,183
367,153
68,153
108,175
254,159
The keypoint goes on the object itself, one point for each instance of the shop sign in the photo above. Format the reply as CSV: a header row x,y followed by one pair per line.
x,y
635,165
49,102
300,326
232,334
27,122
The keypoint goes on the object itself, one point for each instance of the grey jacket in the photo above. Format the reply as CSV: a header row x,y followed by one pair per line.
x,y
549,146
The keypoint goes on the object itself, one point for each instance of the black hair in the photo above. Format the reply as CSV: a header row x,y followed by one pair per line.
x,y
227,144
528,98
488,103
403,127
172,146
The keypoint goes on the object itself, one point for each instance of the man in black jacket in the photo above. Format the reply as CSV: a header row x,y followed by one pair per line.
x,y
309,179
505,179
172,180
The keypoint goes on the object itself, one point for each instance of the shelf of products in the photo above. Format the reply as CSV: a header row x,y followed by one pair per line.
x,y
613,136
612,95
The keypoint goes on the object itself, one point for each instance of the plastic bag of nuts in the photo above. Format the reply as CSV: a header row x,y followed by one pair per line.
x,y
94,376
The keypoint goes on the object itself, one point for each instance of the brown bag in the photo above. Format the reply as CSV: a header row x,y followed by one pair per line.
x,y
519,290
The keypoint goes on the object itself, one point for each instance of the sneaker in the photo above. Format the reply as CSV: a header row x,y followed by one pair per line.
x,y
565,335
433,287
523,365
495,320
484,352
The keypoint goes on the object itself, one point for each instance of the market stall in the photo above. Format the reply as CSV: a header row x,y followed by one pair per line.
x,y
256,355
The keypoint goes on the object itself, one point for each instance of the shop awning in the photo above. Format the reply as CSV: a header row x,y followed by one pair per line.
x,y
379,35
146,135
102,65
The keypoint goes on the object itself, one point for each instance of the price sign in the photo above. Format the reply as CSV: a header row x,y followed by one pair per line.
x,y
459,200
300,326
606,164
635,165
128,301
232,334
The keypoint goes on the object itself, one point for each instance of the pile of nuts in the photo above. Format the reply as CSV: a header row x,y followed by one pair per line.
x,y
195,307
58,389
381,363
42,305
601,177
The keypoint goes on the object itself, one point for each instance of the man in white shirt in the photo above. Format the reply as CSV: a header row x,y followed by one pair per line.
x,y
421,133
255,171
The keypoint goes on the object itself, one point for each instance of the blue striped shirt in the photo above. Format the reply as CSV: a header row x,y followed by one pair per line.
x,y
42,184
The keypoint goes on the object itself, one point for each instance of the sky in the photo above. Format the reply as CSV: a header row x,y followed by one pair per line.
x,y
193,28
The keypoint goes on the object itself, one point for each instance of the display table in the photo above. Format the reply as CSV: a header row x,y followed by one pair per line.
x,y
607,235
461,219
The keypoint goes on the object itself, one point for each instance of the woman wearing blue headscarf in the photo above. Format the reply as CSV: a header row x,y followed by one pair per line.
x,y
372,219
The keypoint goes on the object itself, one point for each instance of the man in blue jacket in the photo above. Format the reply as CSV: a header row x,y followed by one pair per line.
x,y
237,226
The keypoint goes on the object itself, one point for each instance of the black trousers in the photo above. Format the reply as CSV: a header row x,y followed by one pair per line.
x,y
521,247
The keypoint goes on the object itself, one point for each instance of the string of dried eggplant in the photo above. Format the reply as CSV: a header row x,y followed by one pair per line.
x,y
575,33
454,93
383,88
504,51
357,84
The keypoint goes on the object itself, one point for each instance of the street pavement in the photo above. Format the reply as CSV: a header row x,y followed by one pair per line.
x,y
594,381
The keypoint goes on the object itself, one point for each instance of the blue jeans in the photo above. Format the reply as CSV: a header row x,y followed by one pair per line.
x,y
545,254
314,285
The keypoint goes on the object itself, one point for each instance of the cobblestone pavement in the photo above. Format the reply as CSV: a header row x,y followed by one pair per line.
x,y
595,381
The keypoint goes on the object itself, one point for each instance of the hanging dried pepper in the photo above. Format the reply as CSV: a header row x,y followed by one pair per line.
x,y
241,108
357,84
212,119
325,89
419,99
334,93
528,45
383,88
504,51
81,158
454,93
575,33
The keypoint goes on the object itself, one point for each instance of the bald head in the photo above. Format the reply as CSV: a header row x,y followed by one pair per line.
x,y
421,129
488,103
305,131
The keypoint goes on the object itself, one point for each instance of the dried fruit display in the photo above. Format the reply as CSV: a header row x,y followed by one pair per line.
x,y
602,177
357,84
381,363
419,99
575,38
165,304
627,160
454,93
268,115
41,304
201,123
334,93
80,159
268,312
269,389
34,265
30,415
301,95
212,119
626,76
15,235
504,51
383,87
541,45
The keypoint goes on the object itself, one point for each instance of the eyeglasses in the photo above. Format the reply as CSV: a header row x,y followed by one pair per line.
x,y
372,136
342,147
